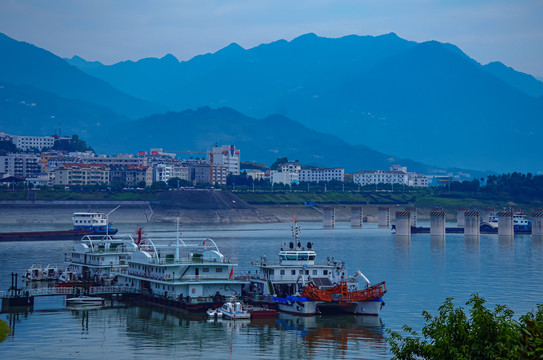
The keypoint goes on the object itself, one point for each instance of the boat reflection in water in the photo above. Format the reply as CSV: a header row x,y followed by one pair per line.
x,y
166,332
337,334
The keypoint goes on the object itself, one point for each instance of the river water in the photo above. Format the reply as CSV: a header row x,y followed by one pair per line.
x,y
420,273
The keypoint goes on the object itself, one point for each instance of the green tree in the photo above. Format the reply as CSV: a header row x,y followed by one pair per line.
x,y
485,334
278,162
174,182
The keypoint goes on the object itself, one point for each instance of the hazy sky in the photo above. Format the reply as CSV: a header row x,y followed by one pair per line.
x,y
109,31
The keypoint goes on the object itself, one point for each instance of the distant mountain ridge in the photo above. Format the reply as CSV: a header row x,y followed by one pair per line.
x,y
427,101
260,140
24,64
25,110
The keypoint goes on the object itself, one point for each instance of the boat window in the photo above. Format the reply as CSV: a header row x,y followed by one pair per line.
x,y
311,257
293,272
218,270
282,257
325,272
302,256
282,272
271,272
314,272
205,269
291,257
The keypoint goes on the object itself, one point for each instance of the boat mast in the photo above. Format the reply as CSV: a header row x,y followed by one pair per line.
x,y
177,241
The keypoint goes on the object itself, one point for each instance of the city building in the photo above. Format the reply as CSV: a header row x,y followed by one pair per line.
x,y
257,174
396,175
131,175
290,173
32,142
227,156
316,175
81,174
20,165
119,159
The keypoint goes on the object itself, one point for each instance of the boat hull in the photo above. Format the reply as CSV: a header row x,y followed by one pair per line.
x,y
49,235
297,307
372,308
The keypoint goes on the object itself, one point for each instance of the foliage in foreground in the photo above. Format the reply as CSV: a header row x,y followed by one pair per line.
x,y
485,334
4,330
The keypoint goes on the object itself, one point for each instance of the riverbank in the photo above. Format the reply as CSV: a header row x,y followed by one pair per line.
x,y
224,207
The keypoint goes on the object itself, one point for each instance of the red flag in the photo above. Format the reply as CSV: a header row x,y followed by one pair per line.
x,y
231,273
294,218
204,243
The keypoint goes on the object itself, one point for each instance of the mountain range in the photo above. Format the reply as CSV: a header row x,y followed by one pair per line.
x,y
327,102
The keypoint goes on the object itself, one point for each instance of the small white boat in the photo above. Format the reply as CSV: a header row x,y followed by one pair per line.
x,y
51,272
214,313
85,300
34,273
234,310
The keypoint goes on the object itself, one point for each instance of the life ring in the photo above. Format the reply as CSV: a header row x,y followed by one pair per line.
x,y
193,290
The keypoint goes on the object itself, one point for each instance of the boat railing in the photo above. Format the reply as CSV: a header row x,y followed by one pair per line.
x,y
191,260
67,291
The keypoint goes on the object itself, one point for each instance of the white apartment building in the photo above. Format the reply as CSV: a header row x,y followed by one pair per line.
x,y
32,142
380,177
396,175
316,175
257,174
277,177
417,180
162,172
227,156
290,173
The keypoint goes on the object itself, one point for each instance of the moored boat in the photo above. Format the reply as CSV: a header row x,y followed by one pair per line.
x,y
85,300
283,283
84,223
234,310
34,273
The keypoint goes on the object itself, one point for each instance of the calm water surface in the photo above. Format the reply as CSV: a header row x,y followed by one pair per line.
x,y
420,273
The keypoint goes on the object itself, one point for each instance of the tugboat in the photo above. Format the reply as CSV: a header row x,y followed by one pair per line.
x,y
84,223
521,225
300,286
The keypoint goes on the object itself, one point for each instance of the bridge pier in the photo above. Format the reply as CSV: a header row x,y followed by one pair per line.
x,y
413,213
403,223
537,222
460,217
437,223
472,225
357,216
505,223
329,216
384,216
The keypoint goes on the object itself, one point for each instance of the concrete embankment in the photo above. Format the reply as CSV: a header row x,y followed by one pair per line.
x,y
191,206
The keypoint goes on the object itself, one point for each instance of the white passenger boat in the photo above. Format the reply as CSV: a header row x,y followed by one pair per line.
x,y
96,257
191,271
234,310
285,282
85,300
